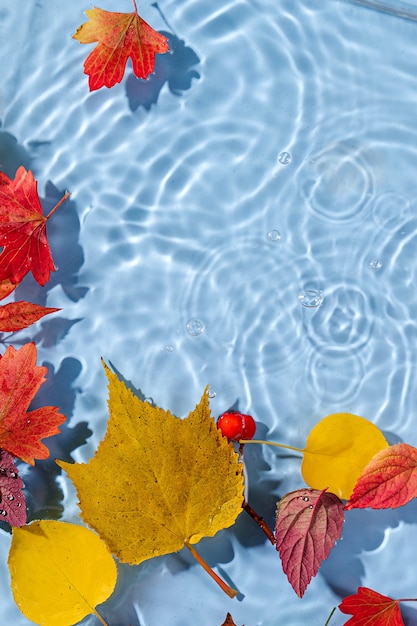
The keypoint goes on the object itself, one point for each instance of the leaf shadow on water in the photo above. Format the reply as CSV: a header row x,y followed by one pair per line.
x,y
173,67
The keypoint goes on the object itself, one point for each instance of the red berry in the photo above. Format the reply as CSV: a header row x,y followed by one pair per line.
x,y
236,426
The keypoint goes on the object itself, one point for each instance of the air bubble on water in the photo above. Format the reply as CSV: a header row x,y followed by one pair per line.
x,y
212,392
375,264
311,298
274,236
169,348
284,158
194,327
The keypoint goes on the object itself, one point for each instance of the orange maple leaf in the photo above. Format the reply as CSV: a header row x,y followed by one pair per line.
x,y
119,36
23,231
21,431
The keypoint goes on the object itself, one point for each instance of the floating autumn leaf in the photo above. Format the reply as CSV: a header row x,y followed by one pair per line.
x,y
12,500
308,524
388,481
23,230
157,482
60,572
370,608
337,450
6,288
21,430
17,315
228,621
119,36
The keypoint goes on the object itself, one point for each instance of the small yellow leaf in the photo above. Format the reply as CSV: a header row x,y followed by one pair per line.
x,y
337,450
157,482
60,572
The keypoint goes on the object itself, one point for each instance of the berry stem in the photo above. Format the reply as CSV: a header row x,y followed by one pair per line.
x,y
330,616
271,443
52,211
260,521
100,618
232,593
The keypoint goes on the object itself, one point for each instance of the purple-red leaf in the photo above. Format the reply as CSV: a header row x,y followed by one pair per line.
x,y
308,524
388,481
17,315
12,500
370,608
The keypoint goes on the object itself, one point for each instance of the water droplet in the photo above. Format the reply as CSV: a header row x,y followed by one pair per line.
x,y
3,512
311,298
169,348
211,393
310,506
194,327
10,497
306,498
19,504
375,264
284,158
27,421
274,236
13,475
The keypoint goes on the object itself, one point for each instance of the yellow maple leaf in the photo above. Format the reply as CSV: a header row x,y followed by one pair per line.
x,y
60,572
157,482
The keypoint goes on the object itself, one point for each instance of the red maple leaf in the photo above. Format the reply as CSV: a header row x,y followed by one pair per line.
x,y
23,230
388,481
119,36
308,524
21,430
370,608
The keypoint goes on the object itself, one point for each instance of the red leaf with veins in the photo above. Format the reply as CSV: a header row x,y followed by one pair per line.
x,y
388,481
21,430
308,524
23,230
12,500
119,36
17,315
370,608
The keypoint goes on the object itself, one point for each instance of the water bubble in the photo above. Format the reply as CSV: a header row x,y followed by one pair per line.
x,y
311,298
375,264
212,393
274,235
194,328
284,158
169,348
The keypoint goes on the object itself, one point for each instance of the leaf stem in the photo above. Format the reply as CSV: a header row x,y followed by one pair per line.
x,y
272,443
260,521
330,617
136,8
100,618
52,211
232,593
407,600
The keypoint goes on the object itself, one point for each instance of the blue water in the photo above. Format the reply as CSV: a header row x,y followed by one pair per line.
x,y
245,219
